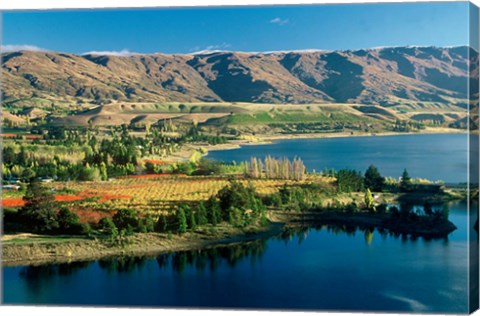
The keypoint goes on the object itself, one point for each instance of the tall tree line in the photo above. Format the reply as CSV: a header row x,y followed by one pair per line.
x,y
271,168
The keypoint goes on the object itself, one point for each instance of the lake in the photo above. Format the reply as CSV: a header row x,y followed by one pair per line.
x,y
430,156
322,268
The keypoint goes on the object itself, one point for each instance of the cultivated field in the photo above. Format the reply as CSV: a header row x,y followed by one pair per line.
x,y
154,194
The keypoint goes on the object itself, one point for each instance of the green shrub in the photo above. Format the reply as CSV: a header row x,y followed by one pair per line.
x,y
146,224
201,214
126,220
38,213
108,227
182,221
68,222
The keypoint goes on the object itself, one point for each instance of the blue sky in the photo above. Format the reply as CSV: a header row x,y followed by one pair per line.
x,y
261,28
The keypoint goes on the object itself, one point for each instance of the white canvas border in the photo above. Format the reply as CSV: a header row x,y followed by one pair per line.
x,y
55,4
81,311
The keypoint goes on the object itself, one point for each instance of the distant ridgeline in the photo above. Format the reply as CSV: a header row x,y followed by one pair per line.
x,y
385,76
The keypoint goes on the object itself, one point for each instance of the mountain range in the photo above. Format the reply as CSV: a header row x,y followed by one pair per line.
x,y
382,76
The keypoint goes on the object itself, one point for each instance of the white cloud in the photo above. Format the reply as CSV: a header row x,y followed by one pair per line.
x,y
16,48
299,51
217,47
279,21
210,48
122,53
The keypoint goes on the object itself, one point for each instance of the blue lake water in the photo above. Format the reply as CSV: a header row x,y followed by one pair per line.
x,y
431,156
322,268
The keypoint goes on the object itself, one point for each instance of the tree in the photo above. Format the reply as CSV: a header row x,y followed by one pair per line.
x,y
68,222
276,168
208,167
39,211
8,155
162,224
28,174
182,221
126,220
148,127
213,211
201,214
191,220
185,168
16,170
146,224
349,181
6,174
88,173
108,226
103,171
237,196
373,179
368,199
254,168
298,169
405,182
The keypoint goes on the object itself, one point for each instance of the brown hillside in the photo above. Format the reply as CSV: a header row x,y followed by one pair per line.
x,y
386,77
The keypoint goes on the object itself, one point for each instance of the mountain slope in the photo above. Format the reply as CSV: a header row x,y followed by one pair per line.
x,y
386,77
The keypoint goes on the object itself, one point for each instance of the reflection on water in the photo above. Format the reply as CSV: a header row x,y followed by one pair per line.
x,y
301,268
302,232
38,277
210,258
123,264
202,259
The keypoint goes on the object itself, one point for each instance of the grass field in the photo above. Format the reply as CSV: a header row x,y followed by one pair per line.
x,y
252,114
235,113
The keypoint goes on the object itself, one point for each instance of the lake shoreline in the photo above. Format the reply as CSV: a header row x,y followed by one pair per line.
x,y
66,249
266,139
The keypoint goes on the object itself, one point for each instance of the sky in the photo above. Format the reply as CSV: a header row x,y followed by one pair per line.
x,y
250,29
